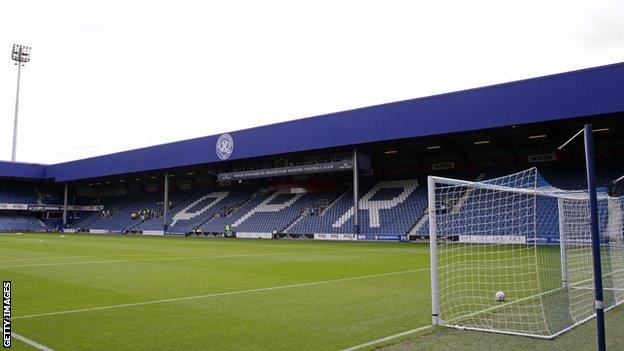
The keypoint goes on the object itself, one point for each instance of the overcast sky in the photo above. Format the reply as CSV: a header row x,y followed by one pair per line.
x,y
107,76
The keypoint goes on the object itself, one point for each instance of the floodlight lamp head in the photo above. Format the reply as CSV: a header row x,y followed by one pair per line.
x,y
20,53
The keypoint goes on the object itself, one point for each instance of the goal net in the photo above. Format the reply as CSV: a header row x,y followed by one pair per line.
x,y
531,241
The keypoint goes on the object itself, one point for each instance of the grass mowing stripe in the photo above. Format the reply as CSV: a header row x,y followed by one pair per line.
x,y
230,293
65,258
387,338
32,343
187,258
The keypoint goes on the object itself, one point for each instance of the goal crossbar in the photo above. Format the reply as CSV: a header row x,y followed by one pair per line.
x,y
543,191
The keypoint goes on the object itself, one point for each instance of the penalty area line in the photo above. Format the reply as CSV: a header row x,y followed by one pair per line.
x,y
32,343
378,341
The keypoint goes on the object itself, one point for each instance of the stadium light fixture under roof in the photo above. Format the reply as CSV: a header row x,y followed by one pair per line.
x,y
538,136
433,147
390,152
601,130
481,142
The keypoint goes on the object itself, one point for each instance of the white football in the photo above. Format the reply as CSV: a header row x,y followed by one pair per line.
x,y
500,296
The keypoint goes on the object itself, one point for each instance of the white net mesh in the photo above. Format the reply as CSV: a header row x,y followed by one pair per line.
x,y
503,235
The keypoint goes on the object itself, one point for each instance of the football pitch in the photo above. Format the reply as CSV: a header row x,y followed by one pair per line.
x,y
100,292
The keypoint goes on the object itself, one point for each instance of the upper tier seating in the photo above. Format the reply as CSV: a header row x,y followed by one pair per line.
x,y
16,193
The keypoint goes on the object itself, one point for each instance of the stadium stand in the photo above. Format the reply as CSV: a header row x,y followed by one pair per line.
x,y
17,193
155,221
391,207
117,217
20,222
198,210
278,210
386,208
560,176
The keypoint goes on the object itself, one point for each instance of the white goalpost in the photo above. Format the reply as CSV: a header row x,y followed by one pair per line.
x,y
514,254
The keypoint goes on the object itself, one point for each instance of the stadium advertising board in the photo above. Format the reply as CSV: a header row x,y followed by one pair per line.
x,y
153,232
389,237
13,207
493,239
442,165
542,158
335,237
85,208
287,171
244,235
40,207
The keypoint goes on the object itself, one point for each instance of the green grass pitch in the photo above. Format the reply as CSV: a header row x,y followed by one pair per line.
x,y
99,292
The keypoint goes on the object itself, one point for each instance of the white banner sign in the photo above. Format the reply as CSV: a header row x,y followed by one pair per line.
x,y
442,165
335,237
543,158
254,235
493,239
98,231
13,207
85,208
42,207
153,232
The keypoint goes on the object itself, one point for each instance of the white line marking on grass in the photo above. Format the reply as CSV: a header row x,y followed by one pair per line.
x,y
32,343
374,342
40,258
229,293
185,258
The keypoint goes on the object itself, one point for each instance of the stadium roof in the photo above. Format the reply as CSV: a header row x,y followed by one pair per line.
x,y
587,92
